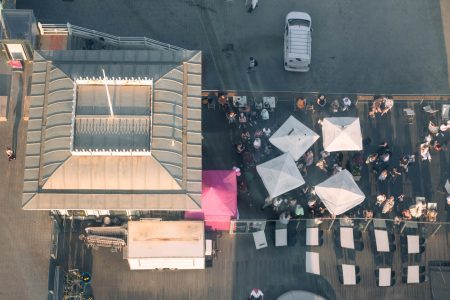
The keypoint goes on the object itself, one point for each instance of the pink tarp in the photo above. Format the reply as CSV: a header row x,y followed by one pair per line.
x,y
219,199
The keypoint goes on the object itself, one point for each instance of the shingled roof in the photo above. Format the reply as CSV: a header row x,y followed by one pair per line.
x,y
166,178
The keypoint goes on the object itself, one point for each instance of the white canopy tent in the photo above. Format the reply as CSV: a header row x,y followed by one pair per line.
x,y
280,175
341,134
340,193
293,137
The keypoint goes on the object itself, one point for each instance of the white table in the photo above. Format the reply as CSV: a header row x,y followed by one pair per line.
x,y
260,240
413,274
312,263
281,237
312,236
349,274
413,243
270,101
384,277
382,240
347,238
239,101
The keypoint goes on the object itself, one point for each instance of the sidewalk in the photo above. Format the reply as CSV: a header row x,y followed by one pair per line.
x,y
445,15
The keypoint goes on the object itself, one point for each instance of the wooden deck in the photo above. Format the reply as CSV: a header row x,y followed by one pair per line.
x,y
275,270
240,267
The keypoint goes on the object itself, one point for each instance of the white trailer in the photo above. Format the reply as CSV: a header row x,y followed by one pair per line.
x,y
165,245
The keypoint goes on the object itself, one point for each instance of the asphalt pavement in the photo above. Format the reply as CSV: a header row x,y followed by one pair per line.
x,y
364,46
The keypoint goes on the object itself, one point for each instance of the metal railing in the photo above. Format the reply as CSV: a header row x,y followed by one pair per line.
x,y
106,38
427,228
53,29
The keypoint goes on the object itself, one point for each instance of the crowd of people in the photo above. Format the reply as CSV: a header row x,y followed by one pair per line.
x,y
252,130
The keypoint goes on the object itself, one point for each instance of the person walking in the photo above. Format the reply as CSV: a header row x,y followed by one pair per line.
x,y
10,153
252,6
252,64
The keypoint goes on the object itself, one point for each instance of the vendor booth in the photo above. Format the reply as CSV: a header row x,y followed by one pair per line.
x,y
165,245
341,134
280,175
294,137
219,200
340,193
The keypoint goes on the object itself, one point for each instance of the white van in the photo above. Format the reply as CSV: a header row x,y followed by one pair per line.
x,y
297,42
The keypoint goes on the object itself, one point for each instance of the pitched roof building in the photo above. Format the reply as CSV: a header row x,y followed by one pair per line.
x,y
114,130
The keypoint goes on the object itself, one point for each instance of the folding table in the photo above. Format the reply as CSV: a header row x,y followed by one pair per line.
x,y
312,236
382,240
260,240
281,237
312,263
349,274
413,243
413,274
384,277
346,235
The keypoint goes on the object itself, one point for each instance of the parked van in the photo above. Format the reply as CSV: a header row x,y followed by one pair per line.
x,y
297,42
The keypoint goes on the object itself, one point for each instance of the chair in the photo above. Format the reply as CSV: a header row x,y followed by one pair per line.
x,y
309,105
357,269
320,241
429,110
403,240
320,233
392,281
421,241
358,279
404,279
421,269
422,249
422,278
258,103
377,274
391,237
357,234
359,246
409,114
392,248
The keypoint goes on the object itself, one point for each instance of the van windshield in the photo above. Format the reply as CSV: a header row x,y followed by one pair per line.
x,y
298,22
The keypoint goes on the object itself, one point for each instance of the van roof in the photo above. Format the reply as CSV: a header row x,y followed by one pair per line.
x,y
299,42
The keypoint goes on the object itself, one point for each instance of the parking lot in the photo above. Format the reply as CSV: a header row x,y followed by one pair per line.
x,y
362,46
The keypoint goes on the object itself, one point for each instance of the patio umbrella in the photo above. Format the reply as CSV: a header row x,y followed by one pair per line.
x,y
293,137
341,134
280,175
340,193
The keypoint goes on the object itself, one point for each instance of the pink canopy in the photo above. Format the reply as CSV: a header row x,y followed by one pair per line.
x,y
219,199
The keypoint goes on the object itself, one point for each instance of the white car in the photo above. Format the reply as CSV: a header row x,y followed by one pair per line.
x,y
297,42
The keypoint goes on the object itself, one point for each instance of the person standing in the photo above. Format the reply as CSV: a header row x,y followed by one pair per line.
x,y
256,294
252,64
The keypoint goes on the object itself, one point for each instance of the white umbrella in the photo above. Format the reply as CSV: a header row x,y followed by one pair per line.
x,y
280,175
339,193
341,134
293,137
